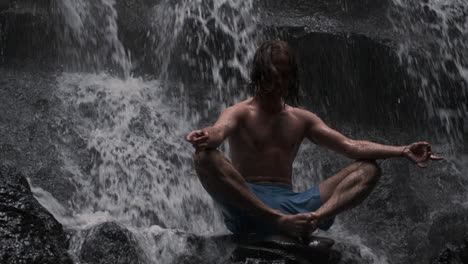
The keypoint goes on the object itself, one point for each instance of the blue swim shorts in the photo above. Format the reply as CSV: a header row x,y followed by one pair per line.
x,y
278,197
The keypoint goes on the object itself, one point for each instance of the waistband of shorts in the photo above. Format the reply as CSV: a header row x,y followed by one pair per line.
x,y
270,185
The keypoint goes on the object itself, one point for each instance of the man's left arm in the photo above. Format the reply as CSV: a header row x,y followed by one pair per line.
x,y
318,132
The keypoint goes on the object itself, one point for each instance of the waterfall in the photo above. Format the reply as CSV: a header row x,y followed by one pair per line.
x,y
120,127
132,164
88,36
434,48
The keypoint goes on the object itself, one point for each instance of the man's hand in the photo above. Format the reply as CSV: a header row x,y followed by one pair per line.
x,y
419,153
198,139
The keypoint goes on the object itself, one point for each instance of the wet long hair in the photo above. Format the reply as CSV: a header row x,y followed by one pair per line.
x,y
264,73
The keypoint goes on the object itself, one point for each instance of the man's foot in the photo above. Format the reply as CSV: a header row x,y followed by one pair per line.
x,y
315,219
296,225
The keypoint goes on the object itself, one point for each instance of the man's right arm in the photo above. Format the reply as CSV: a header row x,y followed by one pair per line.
x,y
212,137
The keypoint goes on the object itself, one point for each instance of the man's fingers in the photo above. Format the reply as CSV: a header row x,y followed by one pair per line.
x,y
422,165
190,136
434,157
421,159
200,139
421,152
194,134
414,158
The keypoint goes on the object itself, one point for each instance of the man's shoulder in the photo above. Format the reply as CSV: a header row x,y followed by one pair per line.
x,y
238,110
240,106
242,103
304,114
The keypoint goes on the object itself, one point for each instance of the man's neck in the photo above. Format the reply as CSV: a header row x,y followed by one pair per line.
x,y
271,104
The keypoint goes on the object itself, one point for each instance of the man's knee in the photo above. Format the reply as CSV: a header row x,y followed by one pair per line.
x,y
371,169
205,158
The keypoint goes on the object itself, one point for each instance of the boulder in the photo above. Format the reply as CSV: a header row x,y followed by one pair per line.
x,y
265,249
110,243
28,232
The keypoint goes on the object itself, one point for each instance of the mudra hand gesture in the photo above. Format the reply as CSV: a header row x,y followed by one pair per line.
x,y
419,153
198,139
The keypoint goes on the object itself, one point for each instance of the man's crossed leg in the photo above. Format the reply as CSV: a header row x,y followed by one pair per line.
x,y
346,189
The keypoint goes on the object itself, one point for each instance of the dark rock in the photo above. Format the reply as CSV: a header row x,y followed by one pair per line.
x,y
284,249
264,255
351,253
453,255
448,228
198,249
110,243
26,30
340,71
4,4
367,18
28,233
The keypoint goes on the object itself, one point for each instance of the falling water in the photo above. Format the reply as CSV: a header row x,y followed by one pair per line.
x,y
234,20
434,48
88,33
134,128
134,166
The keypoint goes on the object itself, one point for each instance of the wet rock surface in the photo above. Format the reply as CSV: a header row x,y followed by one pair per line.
x,y
28,232
454,254
29,129
343,70
284,249
110,243
448,235
338,17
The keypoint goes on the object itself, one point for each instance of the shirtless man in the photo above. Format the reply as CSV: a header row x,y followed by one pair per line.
x,y
264,137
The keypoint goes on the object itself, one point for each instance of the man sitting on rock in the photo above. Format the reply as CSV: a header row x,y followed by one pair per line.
x,y
265,133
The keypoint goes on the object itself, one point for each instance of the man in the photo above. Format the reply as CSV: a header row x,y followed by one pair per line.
x,y
264,136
